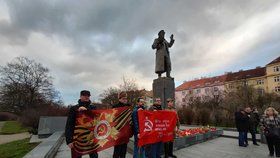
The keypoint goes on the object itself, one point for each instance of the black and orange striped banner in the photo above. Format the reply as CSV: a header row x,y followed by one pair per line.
x,y
97,130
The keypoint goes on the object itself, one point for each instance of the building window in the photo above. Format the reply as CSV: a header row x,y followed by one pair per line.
x,y
277,89
190,91
277,78
207,97
260,82
206,90
183,100
245,83
230,86
197,91
216,89
191,98
260,91
276,68
183,92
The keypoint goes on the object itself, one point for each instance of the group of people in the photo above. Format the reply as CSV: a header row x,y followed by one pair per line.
x,y
147,151
248,120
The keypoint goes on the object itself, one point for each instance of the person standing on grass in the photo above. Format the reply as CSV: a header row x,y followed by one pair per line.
x,y
84,103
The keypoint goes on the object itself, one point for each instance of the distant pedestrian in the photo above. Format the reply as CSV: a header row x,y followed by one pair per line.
x,y
242,125
257,118
270,123
253,121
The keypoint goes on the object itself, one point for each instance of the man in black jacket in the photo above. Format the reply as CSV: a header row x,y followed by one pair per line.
x,y
253,121
84,103
242,125
120,150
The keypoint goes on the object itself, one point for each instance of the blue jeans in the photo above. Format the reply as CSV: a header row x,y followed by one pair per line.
x,y
136,151
242,138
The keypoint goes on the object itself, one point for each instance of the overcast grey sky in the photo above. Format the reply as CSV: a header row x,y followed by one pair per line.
x,y
91,44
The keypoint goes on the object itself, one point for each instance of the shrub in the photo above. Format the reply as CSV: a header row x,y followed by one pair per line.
x,y
30,117
7,116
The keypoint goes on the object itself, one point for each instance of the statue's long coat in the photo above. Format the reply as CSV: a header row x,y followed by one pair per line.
x,y
163,62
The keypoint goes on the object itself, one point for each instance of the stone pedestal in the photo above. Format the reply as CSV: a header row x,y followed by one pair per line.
x,y
164,88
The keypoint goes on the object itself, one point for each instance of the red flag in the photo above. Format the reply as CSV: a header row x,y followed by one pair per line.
x,y
97,130
156,126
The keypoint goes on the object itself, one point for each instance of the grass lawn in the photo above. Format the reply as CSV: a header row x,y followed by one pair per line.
x,y
16,149
12,127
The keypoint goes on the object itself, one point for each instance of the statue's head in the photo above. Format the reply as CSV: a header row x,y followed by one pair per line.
x,y
161,33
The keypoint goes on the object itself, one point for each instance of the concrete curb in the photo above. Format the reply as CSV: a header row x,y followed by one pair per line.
x,y
48,148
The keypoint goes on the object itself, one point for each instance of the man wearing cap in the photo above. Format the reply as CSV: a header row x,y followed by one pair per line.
x,y
120,150
139,106
154,150
168,146
84,103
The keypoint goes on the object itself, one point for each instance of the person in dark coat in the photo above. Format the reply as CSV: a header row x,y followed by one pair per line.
x,y
120,150
253,121
242,125
84,103
154,150
137,150
168,146
257,118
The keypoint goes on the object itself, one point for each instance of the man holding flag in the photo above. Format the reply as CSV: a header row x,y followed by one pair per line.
x,y
168,146
139,106
84,104
120,150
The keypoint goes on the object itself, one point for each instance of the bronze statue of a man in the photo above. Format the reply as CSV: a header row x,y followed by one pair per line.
x,y
163,62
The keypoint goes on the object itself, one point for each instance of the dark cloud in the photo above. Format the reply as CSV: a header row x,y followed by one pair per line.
x,y
95,43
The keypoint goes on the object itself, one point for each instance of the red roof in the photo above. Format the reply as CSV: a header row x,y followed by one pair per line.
x,y
257,72
204,82
218,80
277,60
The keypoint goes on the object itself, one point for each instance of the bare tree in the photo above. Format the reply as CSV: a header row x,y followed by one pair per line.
x,y
110,95
24,83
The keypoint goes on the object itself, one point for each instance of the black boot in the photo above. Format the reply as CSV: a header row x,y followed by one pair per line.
x,y
170,147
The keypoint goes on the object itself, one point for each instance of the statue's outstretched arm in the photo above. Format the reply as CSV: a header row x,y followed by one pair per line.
x,y
171,41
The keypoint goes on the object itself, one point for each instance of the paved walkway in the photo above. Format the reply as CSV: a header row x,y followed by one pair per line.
x,y
223,148
235,134
6,138
64,151
216,148
13,137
